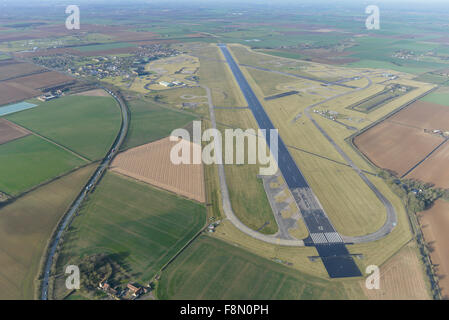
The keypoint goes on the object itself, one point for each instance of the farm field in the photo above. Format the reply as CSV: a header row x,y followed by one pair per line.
x,y
439,97
433,169
435,223
150,122
29,161
43,80
213,269
142,225
401,278
20,81
93,93
383,143
12,92
17,69
151,163
9,131
25,227
85,125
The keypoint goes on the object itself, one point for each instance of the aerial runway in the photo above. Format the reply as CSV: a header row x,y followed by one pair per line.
x,y
329,244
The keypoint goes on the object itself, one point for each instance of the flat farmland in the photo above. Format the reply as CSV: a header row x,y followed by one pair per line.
x,y
434,168
143,225
29,161
401,278
17,69
435,226
213,269
150,122
151,163
43,80
10,131
399,142
25,227
93,93
13,92
85,125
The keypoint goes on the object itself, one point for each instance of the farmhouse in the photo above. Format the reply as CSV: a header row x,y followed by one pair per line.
x,y
135,291
47,97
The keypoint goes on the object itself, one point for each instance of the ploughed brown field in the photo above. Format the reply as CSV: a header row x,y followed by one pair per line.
x,y
151,163
43,80
10,131
12,92
27,86
399,142
93,93
435,226
16,69
434,169
401,278
20,81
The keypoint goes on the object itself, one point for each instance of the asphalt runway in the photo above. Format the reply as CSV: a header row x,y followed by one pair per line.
x,y
329,244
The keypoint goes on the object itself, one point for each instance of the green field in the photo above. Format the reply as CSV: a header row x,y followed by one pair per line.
x,y
438,97
85,125
26,225
213,269
150,122
142,225
29,161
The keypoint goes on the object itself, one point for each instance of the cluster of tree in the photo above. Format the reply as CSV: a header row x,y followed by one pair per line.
x,y
418,195
99,267
93,269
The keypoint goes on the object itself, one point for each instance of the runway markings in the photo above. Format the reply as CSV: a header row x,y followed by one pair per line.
x,y
333,237
326,237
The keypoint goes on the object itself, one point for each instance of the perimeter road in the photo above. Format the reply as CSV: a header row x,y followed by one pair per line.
x,y
83,194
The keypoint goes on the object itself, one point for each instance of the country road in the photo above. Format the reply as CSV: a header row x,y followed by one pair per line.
x,y
90,185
